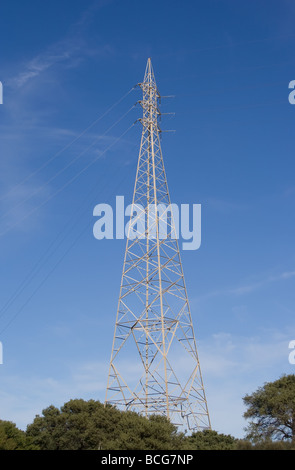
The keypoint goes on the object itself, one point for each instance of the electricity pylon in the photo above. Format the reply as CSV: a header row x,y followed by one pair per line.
x,y
154,366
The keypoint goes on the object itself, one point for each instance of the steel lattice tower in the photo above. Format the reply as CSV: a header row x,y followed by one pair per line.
x,y
154,366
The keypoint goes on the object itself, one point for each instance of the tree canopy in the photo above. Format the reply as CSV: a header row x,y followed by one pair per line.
x,y
89,425
210,440
271,411
12,438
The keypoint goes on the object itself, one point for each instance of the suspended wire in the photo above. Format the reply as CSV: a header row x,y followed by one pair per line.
x,y
51,271
100,137
46,255
67,183
51,159
40,263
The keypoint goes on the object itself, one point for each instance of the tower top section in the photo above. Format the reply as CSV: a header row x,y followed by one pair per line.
x,y
150,98
149,76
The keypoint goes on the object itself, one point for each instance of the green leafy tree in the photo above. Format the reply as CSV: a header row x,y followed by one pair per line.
x,y
210,440
265,445
89,425
271,411
12,438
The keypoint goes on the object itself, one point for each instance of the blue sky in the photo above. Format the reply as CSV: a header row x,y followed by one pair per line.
x,y
63,65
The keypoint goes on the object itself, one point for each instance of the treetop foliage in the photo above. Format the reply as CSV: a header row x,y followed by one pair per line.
x,y
271,411
89,425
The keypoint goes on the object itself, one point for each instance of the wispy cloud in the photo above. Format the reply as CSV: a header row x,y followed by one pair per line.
x,y
251,286
29,131
68,52
37,65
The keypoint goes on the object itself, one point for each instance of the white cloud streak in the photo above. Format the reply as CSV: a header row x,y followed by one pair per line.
x,y
249,287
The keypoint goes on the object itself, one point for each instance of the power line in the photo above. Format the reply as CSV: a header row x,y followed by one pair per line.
x,y
42,261
66,147
66,184
67,166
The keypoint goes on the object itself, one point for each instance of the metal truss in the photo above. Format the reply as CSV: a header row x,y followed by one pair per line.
x,y
154,366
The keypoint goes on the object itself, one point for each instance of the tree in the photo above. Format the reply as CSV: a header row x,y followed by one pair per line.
x,y
271,411
12,438
210,440
265,445
89,425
